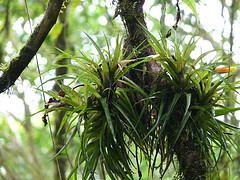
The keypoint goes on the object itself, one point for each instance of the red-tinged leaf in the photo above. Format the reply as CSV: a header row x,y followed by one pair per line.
x,y
225,69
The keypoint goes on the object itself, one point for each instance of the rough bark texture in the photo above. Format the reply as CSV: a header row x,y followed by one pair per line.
x,y
192,163
191,160
132,14
34,42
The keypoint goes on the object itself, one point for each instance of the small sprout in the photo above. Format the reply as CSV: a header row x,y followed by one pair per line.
x,y
225,69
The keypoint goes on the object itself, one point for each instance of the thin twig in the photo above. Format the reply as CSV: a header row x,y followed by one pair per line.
x,y
43,94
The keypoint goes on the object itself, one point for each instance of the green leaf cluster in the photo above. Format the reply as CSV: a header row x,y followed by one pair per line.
x,y
195,96
101,110
110,126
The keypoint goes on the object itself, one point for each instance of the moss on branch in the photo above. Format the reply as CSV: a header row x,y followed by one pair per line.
x,y
30,48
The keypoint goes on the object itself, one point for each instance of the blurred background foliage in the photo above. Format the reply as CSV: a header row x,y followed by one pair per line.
x,y
25,143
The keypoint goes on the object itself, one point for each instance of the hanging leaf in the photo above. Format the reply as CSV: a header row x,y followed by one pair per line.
x,y
55,31
192,6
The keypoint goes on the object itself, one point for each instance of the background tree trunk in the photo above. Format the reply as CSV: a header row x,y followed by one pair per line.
x,y
61,44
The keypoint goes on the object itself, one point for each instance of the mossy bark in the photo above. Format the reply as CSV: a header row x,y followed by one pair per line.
x,y
132,14
192,163
34,42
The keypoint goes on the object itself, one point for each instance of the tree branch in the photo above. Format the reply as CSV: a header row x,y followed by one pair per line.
x,y
30,48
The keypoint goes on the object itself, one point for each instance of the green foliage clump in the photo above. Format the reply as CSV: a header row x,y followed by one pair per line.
x,y
195,96
112,130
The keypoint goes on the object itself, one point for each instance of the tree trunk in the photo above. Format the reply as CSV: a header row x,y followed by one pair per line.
x,y
192,162
61,44
132,14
